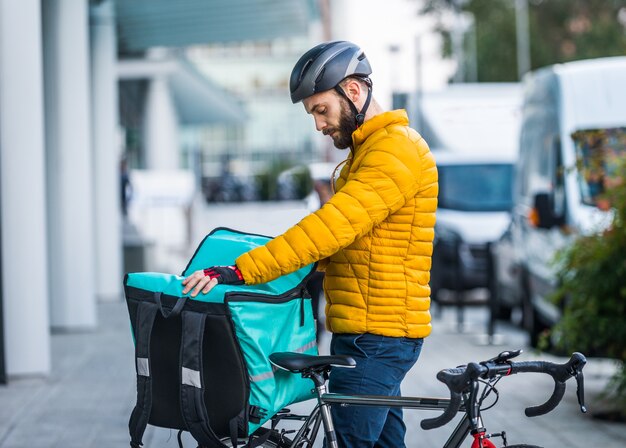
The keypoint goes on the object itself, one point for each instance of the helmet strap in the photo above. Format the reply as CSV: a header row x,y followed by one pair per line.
x,y
359,117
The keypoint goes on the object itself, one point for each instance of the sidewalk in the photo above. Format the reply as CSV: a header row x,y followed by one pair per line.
x,y
87,399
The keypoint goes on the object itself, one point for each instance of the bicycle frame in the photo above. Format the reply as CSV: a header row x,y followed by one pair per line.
x,y
321,414
464,384
457,437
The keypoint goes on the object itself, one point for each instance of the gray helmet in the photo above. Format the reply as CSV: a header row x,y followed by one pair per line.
x,y
326,65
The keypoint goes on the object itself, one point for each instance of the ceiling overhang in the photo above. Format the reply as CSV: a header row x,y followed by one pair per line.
x,y
144,24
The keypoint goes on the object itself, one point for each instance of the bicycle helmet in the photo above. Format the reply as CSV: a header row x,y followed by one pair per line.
x,y
324,66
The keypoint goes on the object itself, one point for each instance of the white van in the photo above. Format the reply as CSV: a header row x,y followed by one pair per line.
x,y
474,203
573,124
473,131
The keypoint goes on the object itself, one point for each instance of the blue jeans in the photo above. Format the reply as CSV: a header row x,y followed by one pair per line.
x,y
381,364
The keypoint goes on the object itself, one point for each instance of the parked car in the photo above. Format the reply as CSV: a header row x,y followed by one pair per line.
x,y
573,127
475,197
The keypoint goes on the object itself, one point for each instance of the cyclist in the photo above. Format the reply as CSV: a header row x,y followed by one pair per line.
x,y
373,238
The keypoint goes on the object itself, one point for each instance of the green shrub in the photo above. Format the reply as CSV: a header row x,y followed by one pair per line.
x,y
267,179
592,279
297,179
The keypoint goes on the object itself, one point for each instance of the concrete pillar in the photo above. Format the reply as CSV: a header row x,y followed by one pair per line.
x,y
22,187
106,152
69,167
161,144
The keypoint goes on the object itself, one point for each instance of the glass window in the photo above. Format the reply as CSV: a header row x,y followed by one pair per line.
x,y
476,187
597,155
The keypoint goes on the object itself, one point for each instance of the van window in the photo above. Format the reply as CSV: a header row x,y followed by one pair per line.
x,y
597,154
476,187
539,142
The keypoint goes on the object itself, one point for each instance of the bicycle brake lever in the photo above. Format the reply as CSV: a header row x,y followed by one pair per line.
x,y
580,389
575,369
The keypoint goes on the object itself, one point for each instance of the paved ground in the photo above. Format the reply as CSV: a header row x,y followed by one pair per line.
x,y
89,395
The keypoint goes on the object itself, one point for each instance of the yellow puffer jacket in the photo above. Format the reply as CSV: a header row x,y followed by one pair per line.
x,y
376,231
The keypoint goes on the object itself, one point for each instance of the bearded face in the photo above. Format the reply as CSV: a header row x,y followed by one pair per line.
x,y
346,126
333,116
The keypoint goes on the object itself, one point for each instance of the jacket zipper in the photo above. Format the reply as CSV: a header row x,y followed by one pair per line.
x,y
300,293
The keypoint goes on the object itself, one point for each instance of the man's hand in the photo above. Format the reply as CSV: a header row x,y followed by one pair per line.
x,y
206,279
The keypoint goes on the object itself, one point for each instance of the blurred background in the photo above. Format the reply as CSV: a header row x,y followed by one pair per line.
x,y
119,120
130,129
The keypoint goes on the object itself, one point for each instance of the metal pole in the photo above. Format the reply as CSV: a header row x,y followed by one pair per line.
x,y
493,295
459,293
458,36
472,69
523,37
419,124
458,40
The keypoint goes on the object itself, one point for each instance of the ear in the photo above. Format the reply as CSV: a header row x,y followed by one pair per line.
x,y
353,90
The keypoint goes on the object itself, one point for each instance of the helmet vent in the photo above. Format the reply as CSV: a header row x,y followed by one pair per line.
x,y
304,69
320,76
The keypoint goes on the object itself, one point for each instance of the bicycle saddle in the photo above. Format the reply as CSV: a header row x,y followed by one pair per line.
x,y
298,362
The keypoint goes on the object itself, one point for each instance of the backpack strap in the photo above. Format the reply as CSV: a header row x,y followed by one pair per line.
x,y
146,312
191,391
254,441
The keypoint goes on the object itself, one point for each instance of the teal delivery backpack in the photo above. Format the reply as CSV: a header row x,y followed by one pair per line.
x,y
202,362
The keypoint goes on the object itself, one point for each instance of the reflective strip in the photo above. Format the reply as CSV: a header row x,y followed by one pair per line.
x,y
305,347
261,377
191,377
143,367
266,375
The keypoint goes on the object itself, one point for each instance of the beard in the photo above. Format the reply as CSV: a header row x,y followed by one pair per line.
x,y
346,125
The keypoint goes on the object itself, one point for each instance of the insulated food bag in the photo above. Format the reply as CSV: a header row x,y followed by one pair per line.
x,y
202,362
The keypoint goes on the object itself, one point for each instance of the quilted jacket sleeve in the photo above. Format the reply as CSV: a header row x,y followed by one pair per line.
x,y
386,177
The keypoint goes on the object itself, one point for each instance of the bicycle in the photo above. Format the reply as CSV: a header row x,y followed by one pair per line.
x,y
469,386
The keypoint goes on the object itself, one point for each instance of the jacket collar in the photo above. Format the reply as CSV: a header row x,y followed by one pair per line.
x,y
377,122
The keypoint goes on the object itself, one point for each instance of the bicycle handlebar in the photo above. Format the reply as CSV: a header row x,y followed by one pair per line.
x,y
458,381
559,372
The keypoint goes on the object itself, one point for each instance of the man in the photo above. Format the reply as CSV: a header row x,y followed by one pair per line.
x,y
373,238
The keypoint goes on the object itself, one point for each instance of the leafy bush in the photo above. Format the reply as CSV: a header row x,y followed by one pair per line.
x,y
592,278
267,180
284,180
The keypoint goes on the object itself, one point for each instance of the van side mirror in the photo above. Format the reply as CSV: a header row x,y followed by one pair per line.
x,y
543,215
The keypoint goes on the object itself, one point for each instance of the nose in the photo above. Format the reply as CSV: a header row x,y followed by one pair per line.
x,y
320,123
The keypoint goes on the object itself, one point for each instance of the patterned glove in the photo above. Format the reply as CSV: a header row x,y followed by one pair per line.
x,y
228,275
